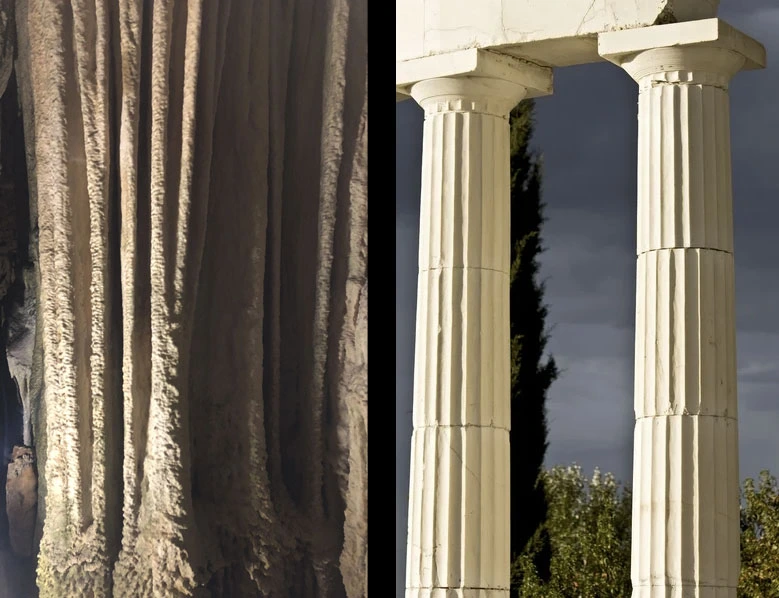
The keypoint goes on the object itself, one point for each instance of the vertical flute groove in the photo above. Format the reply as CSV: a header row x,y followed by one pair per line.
x,y
684,177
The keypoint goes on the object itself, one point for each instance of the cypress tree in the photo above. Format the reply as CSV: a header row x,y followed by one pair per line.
x,y
531,371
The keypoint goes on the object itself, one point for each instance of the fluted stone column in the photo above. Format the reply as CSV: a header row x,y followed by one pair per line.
x,y
685,477
458,540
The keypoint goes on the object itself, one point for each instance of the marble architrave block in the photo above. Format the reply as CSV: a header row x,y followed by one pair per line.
x,y
549,32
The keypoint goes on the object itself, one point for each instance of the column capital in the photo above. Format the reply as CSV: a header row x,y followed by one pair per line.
x,y
708,51
470,73
495,97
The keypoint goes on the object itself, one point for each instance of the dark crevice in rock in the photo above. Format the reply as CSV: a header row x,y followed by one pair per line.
x,y
22,500
667,16
18,501
14,224
114,409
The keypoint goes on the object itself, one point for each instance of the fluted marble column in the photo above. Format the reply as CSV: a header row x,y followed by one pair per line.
x,y
685,477
458,539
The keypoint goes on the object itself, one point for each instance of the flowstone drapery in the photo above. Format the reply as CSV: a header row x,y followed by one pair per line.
x,y
198,194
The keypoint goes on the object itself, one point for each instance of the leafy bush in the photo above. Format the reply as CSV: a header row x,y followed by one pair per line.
x,y
588,535
587,538
760,539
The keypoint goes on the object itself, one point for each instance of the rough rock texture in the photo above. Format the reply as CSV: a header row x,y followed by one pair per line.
x,y
198,193
21,499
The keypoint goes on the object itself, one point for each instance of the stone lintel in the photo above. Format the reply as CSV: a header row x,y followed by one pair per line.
x,y
618,46
473,63
548,32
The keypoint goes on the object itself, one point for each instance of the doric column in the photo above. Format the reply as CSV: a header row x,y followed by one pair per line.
x,y
458,539
685,477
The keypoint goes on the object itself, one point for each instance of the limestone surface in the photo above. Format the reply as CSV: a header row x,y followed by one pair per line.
x,y
194,353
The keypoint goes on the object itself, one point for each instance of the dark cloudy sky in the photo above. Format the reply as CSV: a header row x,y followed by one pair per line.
x,y
586,132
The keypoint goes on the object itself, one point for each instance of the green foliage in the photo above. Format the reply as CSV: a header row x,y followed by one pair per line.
x,y
531,372
588,531
760,539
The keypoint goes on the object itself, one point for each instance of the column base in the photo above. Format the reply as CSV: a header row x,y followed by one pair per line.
x,y
459,593
691,591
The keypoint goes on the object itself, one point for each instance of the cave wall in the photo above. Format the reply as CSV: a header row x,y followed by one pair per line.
x,y
198,382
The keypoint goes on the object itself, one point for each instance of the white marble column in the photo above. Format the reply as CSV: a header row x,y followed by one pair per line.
x,y
458,539
685,477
